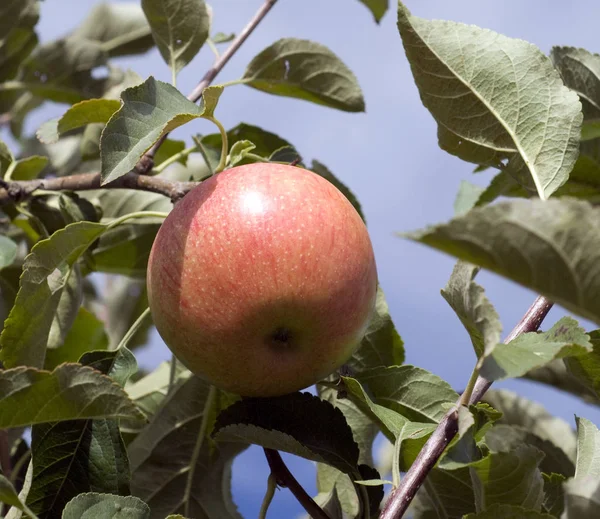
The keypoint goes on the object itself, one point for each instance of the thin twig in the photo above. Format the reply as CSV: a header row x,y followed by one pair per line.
x,y
147,161
446,430
285,479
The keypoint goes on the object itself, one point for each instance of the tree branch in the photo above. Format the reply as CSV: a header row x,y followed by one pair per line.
x,y
431,452
147,161
21,189
285,479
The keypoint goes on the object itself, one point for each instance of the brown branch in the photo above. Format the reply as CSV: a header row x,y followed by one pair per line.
x,y
286,479
446,430
147,161
21,189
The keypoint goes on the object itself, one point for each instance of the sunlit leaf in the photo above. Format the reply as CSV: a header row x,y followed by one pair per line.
x,y
8,251
94,505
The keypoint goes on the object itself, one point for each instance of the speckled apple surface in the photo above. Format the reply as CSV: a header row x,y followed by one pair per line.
x,y
262,279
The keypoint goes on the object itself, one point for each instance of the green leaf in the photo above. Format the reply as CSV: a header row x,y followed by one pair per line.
x,y
536,243
173,454
449,493
119,202
508,478
305,70
28,168
582,498
588,449
148,111
8,251
454,65
14,512
221,37
381,345
81,114
105,506
473,308
14,50
282,423
377,7
239,150
9,495
415,393
45,275
590,130
532,350
517,410
86,334
169,148
554,495
467,197
501,511
584,369
12,13
76,456
6,157
120,28
78,392
323,171
179,28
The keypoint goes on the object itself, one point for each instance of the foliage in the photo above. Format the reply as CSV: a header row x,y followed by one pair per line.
x,y
82,201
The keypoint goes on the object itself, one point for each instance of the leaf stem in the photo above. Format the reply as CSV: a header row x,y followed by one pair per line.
x,y
234,82
269,494
213,48
172,373
285,479
202,150
401,497
132,216
224,144
466,395
174,158
133,329
210,399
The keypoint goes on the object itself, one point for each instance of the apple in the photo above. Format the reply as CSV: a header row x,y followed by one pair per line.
x,y
262,279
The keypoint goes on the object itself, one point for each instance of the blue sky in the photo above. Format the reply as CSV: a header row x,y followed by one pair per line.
x,y
388,156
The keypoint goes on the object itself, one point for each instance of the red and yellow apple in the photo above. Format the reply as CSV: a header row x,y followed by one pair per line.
x,y
262,279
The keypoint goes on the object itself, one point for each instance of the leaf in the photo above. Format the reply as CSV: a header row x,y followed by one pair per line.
x,y
582,498
450,492
179,28
374,488
9,495
305,70
239,150
517,410
588,449
14,50
221,37
77,456
86,334
283,423
28,168
508,478
78,392
504,438
169,148
94,505
45,275
535,243
12,13
120,28
381,345
413,392
554,495
528,118
80,114
148,111
14,512
172,453
8,251
377,7
473,308
323,171
66,310
467,197
502,511
584,370
6,157
533,350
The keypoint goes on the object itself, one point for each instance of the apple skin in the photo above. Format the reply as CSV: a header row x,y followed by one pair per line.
x,y
262,279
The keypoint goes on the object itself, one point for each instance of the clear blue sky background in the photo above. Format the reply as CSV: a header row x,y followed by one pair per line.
x,y
389,157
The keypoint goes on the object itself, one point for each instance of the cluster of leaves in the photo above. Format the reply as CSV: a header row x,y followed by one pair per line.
x,y
112,438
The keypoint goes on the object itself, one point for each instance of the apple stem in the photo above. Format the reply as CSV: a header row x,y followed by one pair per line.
x,y
402,496
285,478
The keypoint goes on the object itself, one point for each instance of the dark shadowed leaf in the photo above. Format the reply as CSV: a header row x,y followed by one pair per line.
x,y
299,423
454,64
448,492
148,111
305,70
76,456
45,275
94,505
533,350
79,392
554,494
169,148
536,243
173,454
473,308
530,415
120,28
582,498
15,13
179,28
9,495
500,511
85,112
